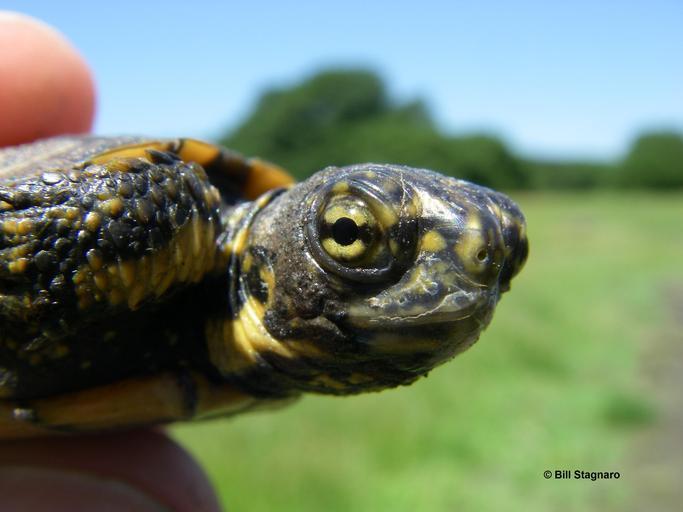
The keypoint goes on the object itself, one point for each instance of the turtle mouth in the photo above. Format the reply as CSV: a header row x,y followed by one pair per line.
x,y
452,307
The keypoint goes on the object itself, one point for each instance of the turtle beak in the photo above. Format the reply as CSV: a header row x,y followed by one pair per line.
x,y
432,292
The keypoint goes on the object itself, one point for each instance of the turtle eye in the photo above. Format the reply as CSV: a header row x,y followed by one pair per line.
x,y
345,231
358,232
348,230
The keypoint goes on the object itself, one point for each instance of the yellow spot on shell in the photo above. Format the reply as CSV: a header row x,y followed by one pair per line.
x,y
432,241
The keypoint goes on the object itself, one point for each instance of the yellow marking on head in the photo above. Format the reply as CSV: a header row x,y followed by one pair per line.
x,y
467,248
473,221
521,228
414,207
495,209
432,241
268,276
386,215
247,261
341,187
389,185
5,206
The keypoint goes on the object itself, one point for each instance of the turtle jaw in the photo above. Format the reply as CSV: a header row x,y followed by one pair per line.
x,y
450,309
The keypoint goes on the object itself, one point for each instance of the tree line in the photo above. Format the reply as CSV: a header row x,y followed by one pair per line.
x,y
346,117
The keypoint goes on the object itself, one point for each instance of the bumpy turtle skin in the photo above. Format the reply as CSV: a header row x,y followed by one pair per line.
x,y
146,281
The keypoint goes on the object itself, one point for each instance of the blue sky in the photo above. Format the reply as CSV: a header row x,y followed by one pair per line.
x,y
554,79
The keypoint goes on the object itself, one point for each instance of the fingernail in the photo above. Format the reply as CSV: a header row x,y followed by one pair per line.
x,y
26,488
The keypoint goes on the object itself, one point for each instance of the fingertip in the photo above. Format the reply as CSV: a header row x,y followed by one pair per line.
x,y
137,466
47,88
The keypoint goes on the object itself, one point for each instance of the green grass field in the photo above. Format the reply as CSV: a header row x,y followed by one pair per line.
x,y
554,383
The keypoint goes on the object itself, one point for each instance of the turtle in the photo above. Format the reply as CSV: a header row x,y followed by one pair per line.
x,y
150,280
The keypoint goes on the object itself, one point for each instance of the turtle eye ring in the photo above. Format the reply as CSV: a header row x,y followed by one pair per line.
x,y
355,232
348,230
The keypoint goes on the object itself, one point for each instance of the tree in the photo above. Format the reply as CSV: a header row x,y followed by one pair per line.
x,y
655,160
345,117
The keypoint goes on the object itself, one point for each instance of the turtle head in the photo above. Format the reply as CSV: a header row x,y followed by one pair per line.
x,y
368,276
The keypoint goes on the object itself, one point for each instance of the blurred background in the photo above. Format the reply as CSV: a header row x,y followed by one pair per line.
x,y
575,109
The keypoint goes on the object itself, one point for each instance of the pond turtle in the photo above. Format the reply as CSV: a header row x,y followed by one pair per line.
x,y
145,281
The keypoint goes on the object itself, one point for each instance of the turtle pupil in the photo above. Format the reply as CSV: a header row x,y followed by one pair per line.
x,y
345,231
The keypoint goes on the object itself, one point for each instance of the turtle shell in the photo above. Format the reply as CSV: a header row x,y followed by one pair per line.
x,y
101,231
